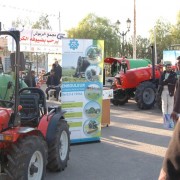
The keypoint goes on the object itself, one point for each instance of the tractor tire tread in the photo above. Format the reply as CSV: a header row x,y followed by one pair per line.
x,y
54,161
139,95
18,156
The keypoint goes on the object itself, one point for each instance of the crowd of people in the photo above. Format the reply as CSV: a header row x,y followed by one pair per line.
x,y
53,79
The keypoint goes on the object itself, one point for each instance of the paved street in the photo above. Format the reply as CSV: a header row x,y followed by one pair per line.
x,y
131,148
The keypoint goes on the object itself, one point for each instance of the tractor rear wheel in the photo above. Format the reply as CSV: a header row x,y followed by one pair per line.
x,y
145,95
27,159
59,148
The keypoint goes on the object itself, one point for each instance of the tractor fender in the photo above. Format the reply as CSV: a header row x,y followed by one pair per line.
x,y
19,132
51,129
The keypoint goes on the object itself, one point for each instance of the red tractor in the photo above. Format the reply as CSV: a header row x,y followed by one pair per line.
x,y
139,83
32,136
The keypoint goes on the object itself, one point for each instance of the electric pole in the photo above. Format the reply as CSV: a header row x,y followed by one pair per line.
x,y
134,38
155,47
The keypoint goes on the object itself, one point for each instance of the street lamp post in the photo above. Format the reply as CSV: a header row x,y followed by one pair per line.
x,y
123,34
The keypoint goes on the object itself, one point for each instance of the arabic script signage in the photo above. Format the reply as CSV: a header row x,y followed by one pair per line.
x,y
40,41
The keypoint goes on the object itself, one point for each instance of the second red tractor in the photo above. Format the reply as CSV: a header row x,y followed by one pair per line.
x,y
139,83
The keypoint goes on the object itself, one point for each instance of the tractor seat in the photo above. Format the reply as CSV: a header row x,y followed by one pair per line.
x,y
30,108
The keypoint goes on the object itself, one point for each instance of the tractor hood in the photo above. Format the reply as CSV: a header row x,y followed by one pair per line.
x,y
133,77
5,115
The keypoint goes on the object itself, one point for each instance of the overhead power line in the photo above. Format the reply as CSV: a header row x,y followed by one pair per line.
x,y
26,10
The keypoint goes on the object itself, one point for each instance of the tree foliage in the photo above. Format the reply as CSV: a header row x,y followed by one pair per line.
x,y
176,32
143,48
41,23
167,35
21,23
94,27
162,31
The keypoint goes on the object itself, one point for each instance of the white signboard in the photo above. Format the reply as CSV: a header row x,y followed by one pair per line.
x,y
82,83
38,41
170,56
107,93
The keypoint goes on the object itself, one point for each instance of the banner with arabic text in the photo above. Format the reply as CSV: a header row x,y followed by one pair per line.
x,y
38,41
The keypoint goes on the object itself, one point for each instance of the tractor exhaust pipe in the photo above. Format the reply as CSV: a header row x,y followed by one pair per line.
x,y
153,63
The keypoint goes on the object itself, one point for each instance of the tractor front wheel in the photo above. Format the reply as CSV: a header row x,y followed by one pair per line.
x,y
120,97
27,159
59,148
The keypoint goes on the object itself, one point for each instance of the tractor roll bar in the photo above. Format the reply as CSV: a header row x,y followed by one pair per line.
x,y
16,36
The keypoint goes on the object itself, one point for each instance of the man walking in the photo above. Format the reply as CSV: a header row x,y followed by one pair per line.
x,y
167,82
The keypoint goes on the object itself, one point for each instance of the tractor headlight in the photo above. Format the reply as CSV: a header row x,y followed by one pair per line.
x,y
6,137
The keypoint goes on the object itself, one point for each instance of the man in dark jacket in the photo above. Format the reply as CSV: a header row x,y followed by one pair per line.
x,y
167,82
30,79
52,83
171,164
58,70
